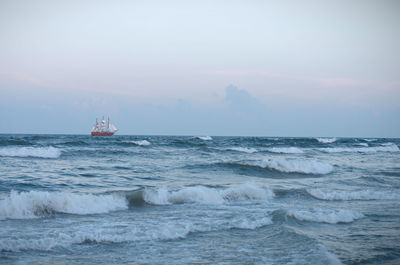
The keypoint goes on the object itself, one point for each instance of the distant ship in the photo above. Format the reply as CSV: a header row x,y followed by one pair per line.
x,y
103,129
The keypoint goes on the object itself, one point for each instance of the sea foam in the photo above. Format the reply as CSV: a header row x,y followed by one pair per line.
x,y
330,216
383,148
243,149
141,143
205,195
342,195
204,138
22,205
285,150
42,152
326,140
295,165
139,232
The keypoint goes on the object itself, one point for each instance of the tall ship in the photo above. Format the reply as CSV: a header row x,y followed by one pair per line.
x,y
103,128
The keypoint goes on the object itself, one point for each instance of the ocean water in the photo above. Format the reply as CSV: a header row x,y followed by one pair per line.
x,y
77,199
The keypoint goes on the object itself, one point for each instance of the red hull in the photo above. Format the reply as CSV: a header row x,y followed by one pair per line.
x,y
102,133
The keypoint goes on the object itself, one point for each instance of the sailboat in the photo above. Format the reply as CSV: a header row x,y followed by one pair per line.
x,y
103,129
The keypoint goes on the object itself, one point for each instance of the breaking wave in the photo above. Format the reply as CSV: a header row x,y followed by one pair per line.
x,y
243,149
42,152
285,150
167,230
295,165
141,142
342,195
389,147
204,138
326,140
32,204
201,194
330,216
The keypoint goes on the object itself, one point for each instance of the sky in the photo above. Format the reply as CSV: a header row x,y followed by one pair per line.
x,y
251,68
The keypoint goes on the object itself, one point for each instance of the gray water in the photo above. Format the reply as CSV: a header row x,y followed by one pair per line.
x,y
74,199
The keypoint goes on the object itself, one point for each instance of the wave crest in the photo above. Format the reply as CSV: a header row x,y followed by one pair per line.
x,y
41,152
330,216
243,149
152,230
141,142
286,150
390,147
201,194
295,166
342,195
32,204
204,138
326,140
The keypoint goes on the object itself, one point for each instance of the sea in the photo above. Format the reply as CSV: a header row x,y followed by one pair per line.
x,y
77,199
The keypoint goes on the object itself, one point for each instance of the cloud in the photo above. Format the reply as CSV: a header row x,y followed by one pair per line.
x,y
240,100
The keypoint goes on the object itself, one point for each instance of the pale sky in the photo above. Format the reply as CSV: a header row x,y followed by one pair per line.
x,y
263,68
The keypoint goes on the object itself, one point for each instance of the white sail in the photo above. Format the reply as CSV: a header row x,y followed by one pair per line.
x,y
104,127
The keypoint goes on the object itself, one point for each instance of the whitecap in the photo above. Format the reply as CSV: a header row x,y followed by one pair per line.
x,y
348,195
243,149
330,216
204,138
139,232
205,195
387,144
295,165
141,142
285,150
326,140
32,204
375,149
41,152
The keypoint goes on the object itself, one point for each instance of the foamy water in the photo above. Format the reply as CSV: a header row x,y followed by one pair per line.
x,y
286,150
41,152
32,204
142,142
295,165
243,149
330,216
326,140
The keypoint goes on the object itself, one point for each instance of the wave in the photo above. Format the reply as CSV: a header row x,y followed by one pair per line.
x,y
295,165
75,143
13,141
362,144
139,232
326,140
286,150
42,152
32,204
383,148
204,138
243,149
387,144
201,194
342,195
100,235
141,142
330,216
